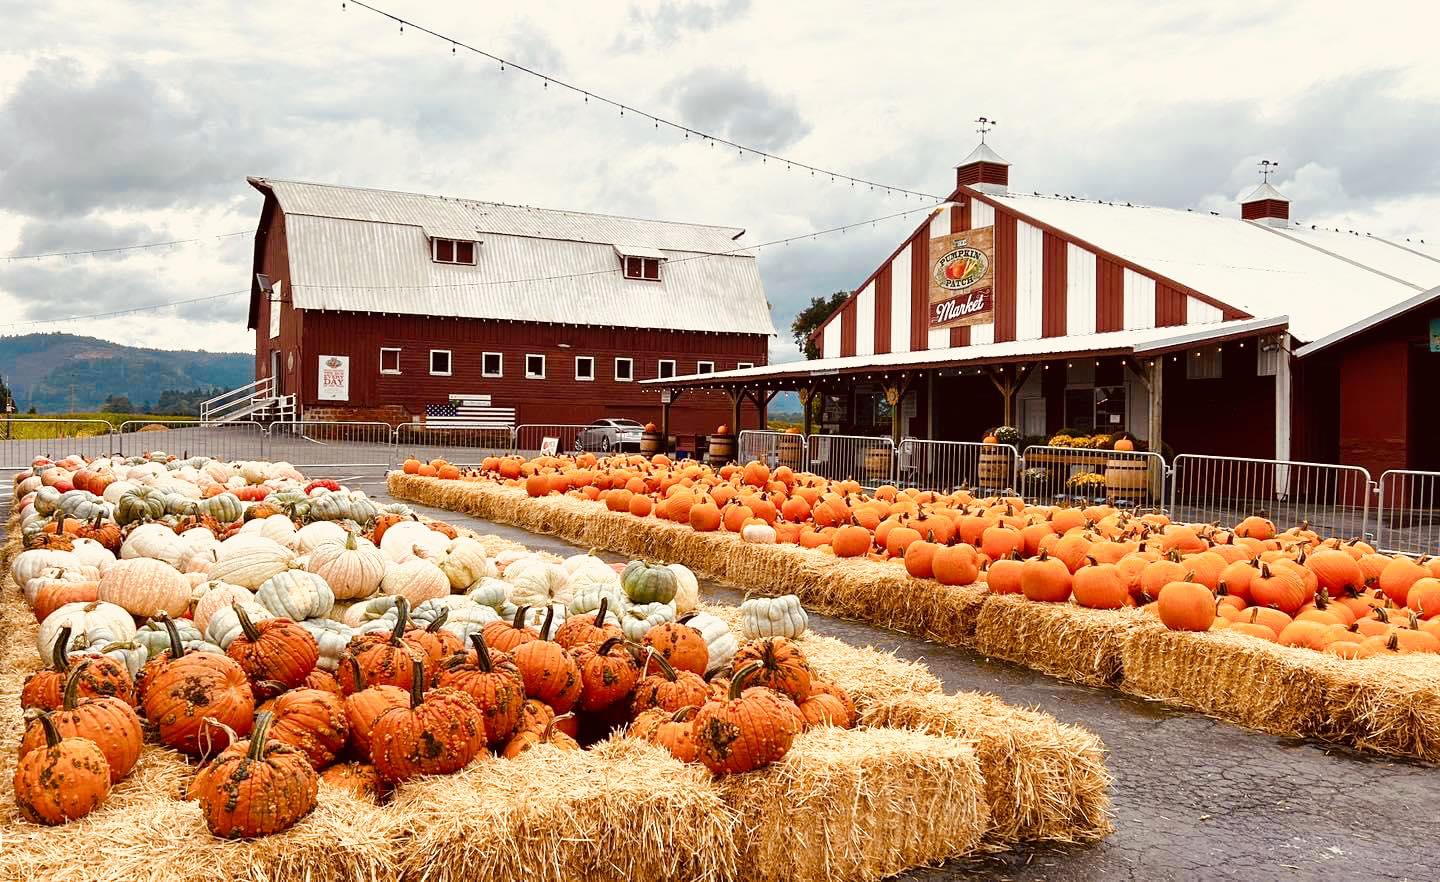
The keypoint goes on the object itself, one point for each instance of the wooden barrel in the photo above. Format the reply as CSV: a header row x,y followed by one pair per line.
x,y
721,451
993,471
878,461
650,443
789,451
1127,478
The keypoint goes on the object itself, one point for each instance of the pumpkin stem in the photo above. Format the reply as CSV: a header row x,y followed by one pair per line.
x,y
482,653
177,648
402,620
417,682
72,685
251,632
684,713
549,729
665,666
258,736
600,612
60,651
52,735
549,620
350,540
685,619
355,672
609,644
519,623
439,621
737,682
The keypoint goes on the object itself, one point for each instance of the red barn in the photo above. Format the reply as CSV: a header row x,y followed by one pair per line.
x,y
380,305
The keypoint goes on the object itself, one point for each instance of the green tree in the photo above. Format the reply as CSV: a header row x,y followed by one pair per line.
x,y
811,317
117,404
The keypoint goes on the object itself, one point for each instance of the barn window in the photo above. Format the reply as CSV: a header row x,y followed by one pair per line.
x,y
389,361
1203,364
585,367
667,368
492,364
704,367
647,268
534,367
440,362
624,370
453,251
744,365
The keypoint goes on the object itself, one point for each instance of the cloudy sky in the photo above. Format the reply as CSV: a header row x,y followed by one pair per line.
x,y
126,123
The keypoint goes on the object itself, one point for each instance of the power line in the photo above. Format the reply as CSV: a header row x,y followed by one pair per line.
x,y
587,95
118,249
118,312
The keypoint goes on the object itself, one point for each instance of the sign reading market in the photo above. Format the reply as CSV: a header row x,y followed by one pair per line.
x,y
962,290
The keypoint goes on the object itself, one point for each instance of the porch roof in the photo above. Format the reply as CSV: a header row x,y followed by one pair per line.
x,y
1148,341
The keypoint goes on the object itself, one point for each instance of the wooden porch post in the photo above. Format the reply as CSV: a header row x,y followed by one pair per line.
x,y
736,396
806,393
1157,383
1007,392
895,397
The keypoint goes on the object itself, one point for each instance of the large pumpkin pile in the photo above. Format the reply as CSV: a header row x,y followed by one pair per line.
x,y
281,630
1293,587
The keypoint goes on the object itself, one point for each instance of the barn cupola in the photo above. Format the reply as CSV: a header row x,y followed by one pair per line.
x,y
983,169
1265,204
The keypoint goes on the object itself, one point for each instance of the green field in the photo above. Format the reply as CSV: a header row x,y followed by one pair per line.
x,y
23,426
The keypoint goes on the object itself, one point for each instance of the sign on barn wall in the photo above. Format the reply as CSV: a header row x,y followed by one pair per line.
x,y
334,378
962,290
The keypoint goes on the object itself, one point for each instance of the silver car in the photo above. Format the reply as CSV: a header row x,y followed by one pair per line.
x,y
603,436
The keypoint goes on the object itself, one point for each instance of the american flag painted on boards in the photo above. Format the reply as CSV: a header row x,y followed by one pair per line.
x,y
469,412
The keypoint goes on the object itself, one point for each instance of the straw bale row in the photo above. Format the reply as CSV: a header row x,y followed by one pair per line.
x,y
1388,705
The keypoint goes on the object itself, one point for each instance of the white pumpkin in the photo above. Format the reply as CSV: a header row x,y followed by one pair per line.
x,y
254,472
467,617
760,533
687,588
417,580
331,637
353,567
146,587
91,624
640,618
213,596
586,598
589,571
29,564
118,489
718,638
535,582
251,539
278,528
250,567
200,560
464,562
781,616
92,554
51,575
224,624
505,558
490,591
309,536
296,595
402,540
154,541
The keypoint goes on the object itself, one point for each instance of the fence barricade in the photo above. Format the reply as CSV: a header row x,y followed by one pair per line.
x,y
24,439
863,458
325,444
569,438
775,449
461,446
229,440
1407,519
945,466
1081,476
1333,499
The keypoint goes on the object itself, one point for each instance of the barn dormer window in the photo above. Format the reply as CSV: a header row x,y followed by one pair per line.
x,y
647,268
452,251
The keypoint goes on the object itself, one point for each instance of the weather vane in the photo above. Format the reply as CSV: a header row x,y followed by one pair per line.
x,y
985,126
1267,168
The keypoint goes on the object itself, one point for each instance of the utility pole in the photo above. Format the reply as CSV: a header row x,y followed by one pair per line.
x,y
72,399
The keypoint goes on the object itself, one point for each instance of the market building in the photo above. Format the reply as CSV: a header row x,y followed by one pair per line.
x,y
1250,335
398,307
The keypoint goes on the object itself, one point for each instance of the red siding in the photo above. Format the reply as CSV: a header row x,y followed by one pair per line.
x,y
920,290
1263,208
1005,246
982,173
1170,306
275,263
1374,415
1053,287
847,328
1109,295
882,311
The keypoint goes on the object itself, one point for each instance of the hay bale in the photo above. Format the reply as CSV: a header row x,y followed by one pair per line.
x,y
956,614
1384,704
868,674
1061,639
1044,780
621,811
1241,679
858,804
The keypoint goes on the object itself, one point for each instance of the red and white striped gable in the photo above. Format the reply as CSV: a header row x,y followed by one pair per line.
x,y
1047,284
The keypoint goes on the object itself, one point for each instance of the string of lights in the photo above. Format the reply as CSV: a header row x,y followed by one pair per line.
x,y
588,96
123,248
134,309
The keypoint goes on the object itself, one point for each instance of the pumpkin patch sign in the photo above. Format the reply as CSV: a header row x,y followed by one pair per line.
x,y
962,290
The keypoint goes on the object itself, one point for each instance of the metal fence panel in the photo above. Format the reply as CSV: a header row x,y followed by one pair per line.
x,y
529,436
321,444
945,466
863,458
22,440
1081,476
229,440
775,449
459,446
1407,519
1334,500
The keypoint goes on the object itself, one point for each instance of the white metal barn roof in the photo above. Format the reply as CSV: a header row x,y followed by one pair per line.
x,y
1324,280
369,251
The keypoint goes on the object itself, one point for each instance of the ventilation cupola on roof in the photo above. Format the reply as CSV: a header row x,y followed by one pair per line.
x,y
984,169
1265,204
